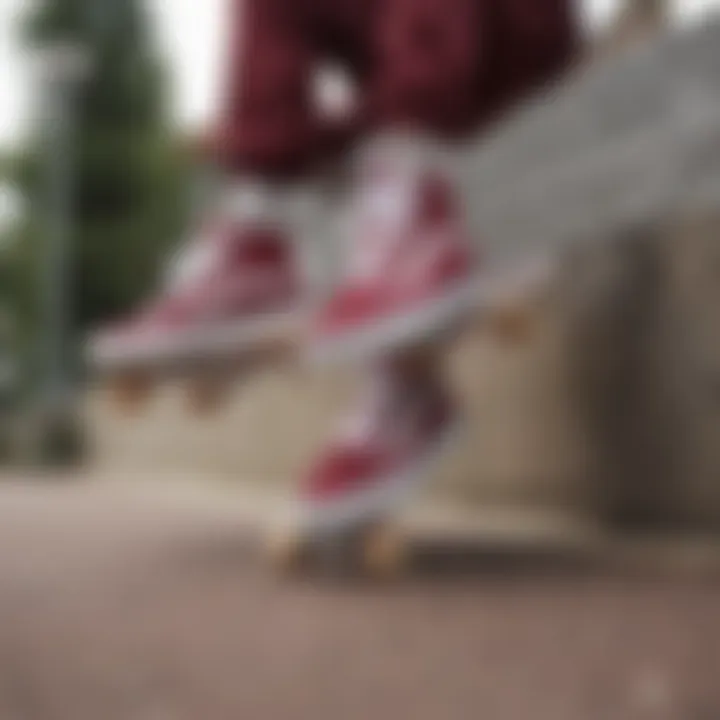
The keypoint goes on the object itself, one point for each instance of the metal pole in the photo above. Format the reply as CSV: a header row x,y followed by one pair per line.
x,y
54,434
61,125
68,68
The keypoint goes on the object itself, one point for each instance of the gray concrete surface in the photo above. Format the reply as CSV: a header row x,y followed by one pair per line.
x,y
117,603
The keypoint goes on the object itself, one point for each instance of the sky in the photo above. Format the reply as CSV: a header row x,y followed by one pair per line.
x,y
192,38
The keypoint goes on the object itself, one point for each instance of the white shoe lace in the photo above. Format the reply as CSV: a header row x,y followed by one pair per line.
x,y
190,264
239,205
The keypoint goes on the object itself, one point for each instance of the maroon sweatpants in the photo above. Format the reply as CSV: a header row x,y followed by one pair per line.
x,y
440,66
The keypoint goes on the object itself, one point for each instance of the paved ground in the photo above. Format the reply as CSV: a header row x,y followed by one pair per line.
x,y
115,607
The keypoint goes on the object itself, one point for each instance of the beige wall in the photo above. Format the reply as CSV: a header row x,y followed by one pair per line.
x,y
612,405
522,442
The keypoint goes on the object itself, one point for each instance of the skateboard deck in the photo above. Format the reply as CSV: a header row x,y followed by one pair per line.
x,y
205,379
375,548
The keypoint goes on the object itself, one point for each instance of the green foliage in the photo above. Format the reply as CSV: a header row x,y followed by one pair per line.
x,y
131,178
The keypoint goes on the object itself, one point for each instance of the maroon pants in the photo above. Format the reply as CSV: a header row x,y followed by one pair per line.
x,y
440,66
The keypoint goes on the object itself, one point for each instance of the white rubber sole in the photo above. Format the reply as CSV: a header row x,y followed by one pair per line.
x,y
205,343
425,322
385,496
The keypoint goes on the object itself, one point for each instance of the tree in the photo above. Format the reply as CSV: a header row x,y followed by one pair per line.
x,y
130,175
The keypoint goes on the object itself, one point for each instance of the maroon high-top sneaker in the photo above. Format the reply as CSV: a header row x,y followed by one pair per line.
x,y
411,266
384,452
231,289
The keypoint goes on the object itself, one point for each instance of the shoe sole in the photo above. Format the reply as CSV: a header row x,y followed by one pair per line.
x,y
209,343
390,334
384,497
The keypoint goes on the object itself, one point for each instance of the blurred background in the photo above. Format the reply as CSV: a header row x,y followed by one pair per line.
x,y
595,411
599,424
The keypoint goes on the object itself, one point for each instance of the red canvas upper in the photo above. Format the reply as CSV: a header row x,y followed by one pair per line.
x,y
228,273
397,424
409,249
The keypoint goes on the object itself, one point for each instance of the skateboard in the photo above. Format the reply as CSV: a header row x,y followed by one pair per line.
x,y
205,380
370,542
375,549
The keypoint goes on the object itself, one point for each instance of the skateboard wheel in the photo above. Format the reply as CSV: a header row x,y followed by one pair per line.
x,y
377,553
131,393
513,326
205,396
285,551
383,553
